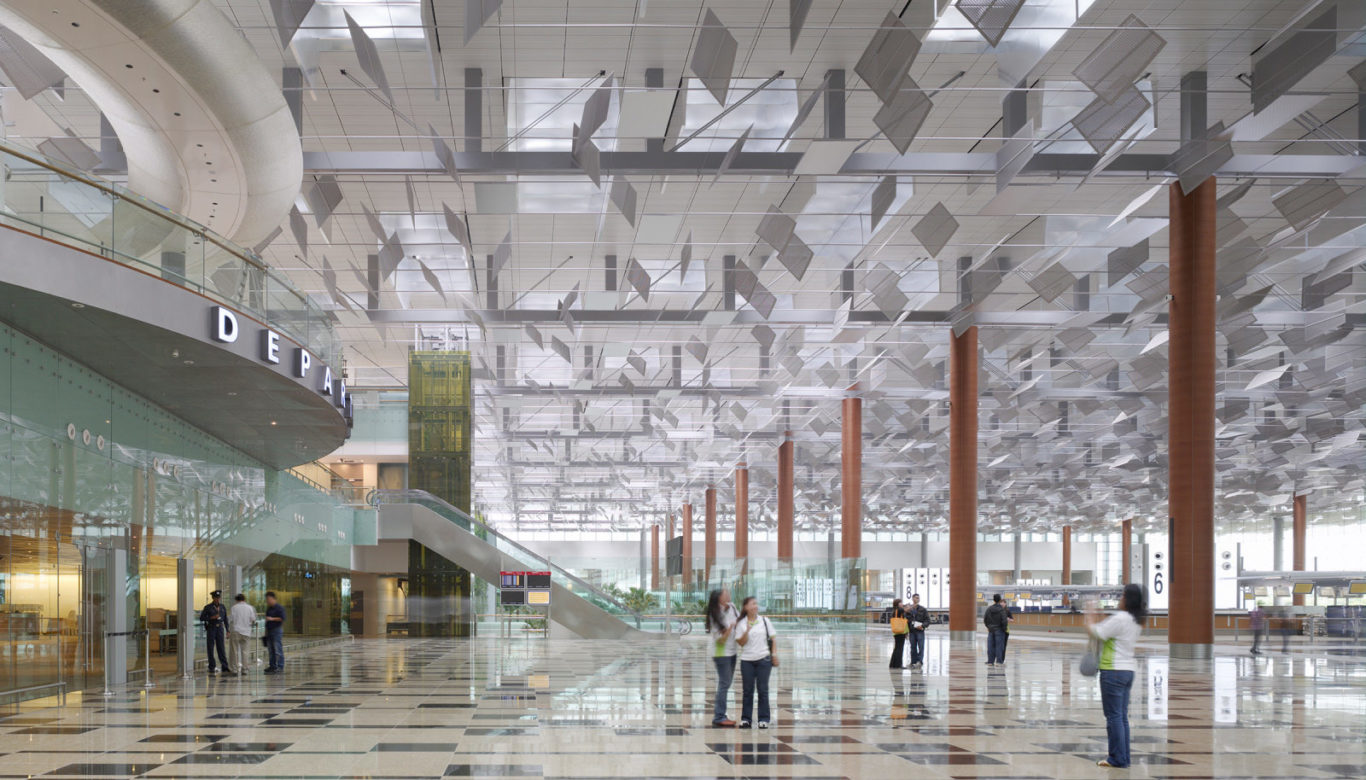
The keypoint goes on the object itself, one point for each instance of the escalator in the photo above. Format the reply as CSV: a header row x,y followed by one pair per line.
x,y
468,543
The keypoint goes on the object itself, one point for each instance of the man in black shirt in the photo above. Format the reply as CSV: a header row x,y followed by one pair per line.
x,y
214,616
275,633
995,620
919,618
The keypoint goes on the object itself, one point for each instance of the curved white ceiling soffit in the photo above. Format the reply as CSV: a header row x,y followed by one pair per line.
x,y
203,124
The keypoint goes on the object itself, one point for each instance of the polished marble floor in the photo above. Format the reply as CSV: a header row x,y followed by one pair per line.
x,y
569,708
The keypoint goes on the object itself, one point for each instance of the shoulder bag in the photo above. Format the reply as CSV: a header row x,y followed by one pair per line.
x,y
1090,660
899,625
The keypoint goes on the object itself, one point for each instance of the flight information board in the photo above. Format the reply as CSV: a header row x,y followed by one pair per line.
x,y
524,587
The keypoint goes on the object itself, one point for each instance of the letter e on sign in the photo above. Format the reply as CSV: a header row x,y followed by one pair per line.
x,y
223,325
270,346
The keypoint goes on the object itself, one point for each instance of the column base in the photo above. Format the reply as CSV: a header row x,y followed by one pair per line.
x,y
1198,652
962,636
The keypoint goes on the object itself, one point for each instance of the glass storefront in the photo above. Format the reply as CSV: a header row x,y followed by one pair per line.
x,y
89,468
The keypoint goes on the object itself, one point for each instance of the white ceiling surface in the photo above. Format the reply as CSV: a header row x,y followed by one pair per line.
x,y
612,441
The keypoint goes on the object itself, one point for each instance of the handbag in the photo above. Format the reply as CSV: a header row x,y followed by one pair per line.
x,y
1090,660
900,625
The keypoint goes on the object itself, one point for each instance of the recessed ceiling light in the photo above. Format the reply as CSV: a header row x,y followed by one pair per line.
x,y
272,422
78,305
188,362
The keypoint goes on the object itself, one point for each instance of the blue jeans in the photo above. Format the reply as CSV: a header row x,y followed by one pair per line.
x,y
1114,700
276,645
917,642
725,672
996,646
215,642
755,674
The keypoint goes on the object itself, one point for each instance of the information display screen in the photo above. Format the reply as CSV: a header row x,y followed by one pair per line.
x,y
524,587
1304,588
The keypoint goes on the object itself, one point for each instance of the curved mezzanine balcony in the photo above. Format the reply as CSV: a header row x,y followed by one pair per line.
x,y
130,289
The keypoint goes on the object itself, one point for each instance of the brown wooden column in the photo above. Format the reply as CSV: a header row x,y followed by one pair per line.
x,y
742,513
1067,555
851,481
654,558
1298,532
1066,560
1126,550
1190,419
786,496
687,544
963,485
709,533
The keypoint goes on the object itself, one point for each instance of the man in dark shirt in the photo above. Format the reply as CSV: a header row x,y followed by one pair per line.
x,y
275,633
995,620
919,618
214,616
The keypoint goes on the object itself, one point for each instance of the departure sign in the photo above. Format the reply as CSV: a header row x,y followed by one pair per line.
x,y
524,587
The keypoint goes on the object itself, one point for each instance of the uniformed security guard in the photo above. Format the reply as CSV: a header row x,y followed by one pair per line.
x,y
214,616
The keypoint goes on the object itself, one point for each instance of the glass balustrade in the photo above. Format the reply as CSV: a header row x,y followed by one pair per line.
x,y
46,198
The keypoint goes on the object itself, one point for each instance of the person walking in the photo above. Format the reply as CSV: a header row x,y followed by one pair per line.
x,y
214,616
900,627
995,620
1256,620
275,633
241,619
720,622
919,619
758,657
1118,635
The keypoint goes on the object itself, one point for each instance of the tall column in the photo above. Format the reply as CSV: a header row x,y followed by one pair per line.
x,y
1066,561
742,514
1067,555
1126,551
851,483
963,485
687,545
654,557
1278,543
786,497
1190,419
709,533
1018,545
1301,526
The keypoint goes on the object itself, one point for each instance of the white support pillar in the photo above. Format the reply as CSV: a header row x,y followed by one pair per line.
x,y
187,616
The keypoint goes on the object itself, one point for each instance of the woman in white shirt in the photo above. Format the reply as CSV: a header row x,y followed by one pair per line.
x,y
721,618
758,656
1118,635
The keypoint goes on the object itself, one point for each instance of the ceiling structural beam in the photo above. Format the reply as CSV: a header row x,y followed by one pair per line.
x,y
1194,106
1005,319
1014,110
654,79
705,164
292,85
474,110
1358,74
835,98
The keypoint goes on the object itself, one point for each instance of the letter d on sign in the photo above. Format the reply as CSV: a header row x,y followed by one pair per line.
x,y
223,325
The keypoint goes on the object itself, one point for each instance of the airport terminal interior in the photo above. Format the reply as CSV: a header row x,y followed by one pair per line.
x,y
450,388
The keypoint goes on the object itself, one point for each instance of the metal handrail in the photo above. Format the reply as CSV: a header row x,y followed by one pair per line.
x,y
60,686
378,497
159,211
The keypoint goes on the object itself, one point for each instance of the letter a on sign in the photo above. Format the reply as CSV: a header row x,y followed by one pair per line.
x,y
224,325
325,386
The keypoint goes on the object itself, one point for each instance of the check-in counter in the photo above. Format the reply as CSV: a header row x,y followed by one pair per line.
x,y
1076,622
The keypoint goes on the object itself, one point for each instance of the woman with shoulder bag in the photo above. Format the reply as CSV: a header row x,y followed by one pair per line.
x,y
900,628
1118,635
758,656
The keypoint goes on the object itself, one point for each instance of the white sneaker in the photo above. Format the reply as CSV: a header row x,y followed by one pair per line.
x,y
763,724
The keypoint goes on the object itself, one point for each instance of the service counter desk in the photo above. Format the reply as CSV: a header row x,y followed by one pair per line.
x,y
1076,622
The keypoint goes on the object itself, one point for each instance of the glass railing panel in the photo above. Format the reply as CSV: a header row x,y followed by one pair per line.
x,y
44,197
513,550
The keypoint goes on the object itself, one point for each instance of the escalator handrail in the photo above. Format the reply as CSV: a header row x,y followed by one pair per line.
x,y
378,497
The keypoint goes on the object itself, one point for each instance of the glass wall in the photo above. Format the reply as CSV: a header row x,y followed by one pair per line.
x,y
85,468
